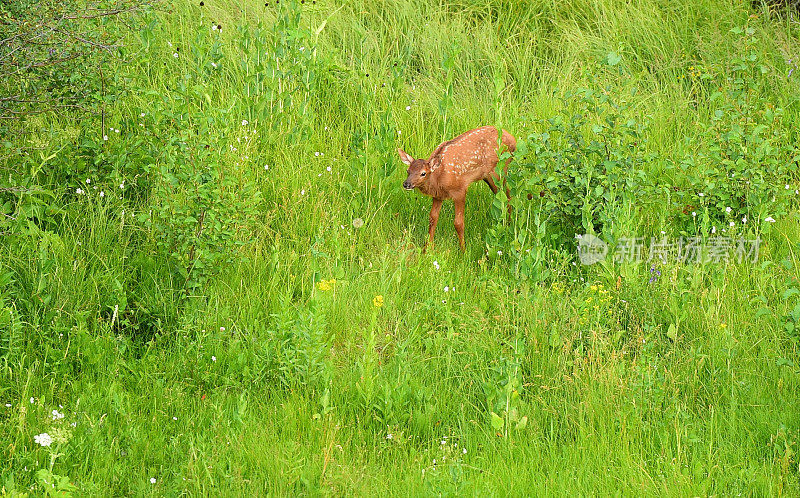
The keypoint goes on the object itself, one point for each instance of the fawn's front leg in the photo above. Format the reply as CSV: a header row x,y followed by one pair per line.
x,y
434,219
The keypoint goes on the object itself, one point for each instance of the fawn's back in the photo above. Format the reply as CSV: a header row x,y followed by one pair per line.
x,y
470,157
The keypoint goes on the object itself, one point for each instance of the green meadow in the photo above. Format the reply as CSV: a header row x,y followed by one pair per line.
x,y
212,281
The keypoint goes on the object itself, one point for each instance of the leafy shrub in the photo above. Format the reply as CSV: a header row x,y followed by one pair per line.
x,y
582,174
749,169
302,348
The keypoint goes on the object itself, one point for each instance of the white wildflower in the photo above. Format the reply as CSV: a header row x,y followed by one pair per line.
x,y
105,137
175,55
213,358
244,122
358,223
769,219
408,108
152,480
728,209
43,439
436,264
57,415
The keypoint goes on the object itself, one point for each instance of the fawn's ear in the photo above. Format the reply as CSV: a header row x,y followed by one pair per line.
x,y
405,157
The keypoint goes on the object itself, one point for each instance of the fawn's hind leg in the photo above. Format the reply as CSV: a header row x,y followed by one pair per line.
x,y
490,182
460,201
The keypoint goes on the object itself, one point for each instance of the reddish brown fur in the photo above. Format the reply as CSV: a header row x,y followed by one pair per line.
x,y
453,167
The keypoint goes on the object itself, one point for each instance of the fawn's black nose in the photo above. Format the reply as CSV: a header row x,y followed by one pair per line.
x,y
407,185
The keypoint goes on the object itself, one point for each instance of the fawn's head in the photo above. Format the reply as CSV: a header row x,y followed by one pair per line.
x,y
418,170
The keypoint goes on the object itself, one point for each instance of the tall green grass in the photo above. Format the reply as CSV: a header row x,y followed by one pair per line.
x,y
267,380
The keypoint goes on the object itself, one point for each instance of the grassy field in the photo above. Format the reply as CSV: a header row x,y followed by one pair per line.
x,y
227,294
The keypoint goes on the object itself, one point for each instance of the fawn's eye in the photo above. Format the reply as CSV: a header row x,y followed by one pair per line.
x,y
422,174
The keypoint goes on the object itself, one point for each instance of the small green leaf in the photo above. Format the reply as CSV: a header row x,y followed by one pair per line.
x,y
612,59
672,332
792,291
497,422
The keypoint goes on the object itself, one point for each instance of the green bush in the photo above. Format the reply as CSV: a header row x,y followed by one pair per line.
x,y
747,171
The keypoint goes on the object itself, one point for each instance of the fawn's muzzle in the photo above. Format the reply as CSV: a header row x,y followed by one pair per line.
x,y
407,185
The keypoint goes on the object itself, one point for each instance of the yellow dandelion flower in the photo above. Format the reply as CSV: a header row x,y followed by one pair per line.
x,y
722,325
377,301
